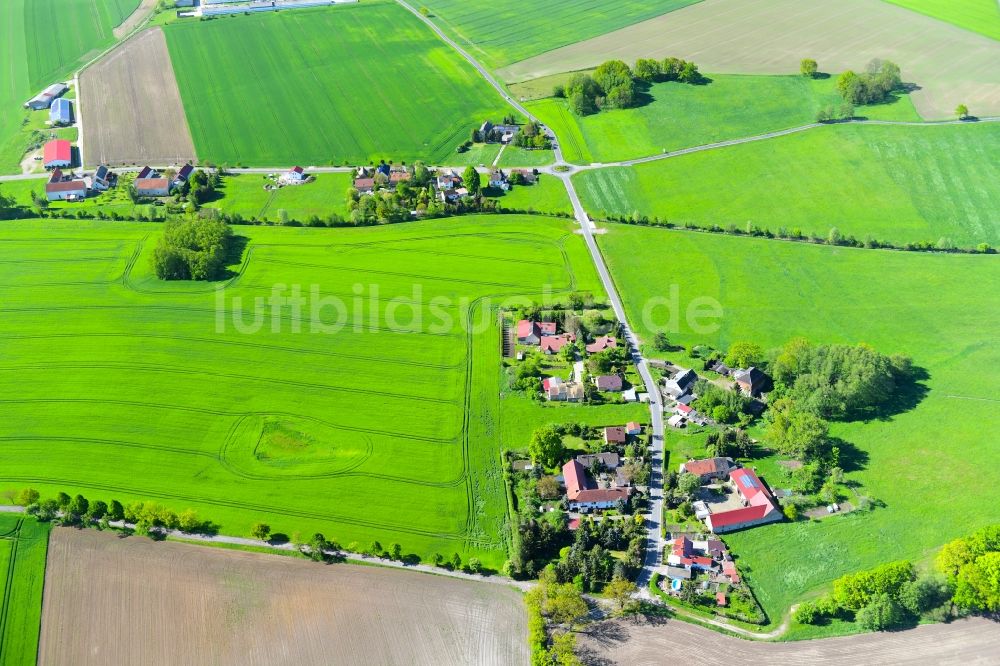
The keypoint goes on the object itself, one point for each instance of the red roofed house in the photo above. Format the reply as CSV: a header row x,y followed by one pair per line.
x,y
57,153
608,383
581,493
531,332
758,508
553,344
152,187
709,468
614,435
296,173
633,428
601,343
684,410
682,546
729,569
60,189
720,598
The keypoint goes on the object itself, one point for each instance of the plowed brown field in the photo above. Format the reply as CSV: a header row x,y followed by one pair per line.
x,y
131,601
131,108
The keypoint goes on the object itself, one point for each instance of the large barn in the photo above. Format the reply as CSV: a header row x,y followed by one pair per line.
x,y
44,99
61,112
57,153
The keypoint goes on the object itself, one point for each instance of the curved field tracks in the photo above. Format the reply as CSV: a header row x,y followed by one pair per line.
x,y
364,405
131,106
131,601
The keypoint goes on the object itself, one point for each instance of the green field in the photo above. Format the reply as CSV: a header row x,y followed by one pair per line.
x,y
548,195
245,194
982,16
899,184
500,35
384,429
925,462
63,34
275,88
15,85
677,115
23,544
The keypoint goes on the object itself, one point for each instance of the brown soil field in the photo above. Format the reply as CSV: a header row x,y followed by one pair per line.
x,y
111,600
968,642
131,107
135,18
949,64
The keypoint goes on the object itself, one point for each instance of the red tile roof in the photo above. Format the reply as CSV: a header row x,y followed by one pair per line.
x,y
297,169
615,434
609,383
575,478
601,343
58,150
146,184
684,409
554,343
633,426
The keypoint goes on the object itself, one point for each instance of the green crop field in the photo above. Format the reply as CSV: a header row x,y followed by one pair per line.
x,y
15,85
900,184
23,544
677,115
982,16
245,194
924,462
63,34
384,428
500,35
275,88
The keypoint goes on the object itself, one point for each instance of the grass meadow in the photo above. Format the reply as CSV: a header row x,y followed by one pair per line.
x,y
385,428
274,88
982,16
499,35
924,462
23,543
899,184
548,195
245,194
677,115
15,84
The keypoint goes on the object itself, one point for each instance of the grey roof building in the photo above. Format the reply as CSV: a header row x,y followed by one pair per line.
x,y
61,112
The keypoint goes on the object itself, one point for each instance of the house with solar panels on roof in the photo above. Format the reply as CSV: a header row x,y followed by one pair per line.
x,y
748,504
61,112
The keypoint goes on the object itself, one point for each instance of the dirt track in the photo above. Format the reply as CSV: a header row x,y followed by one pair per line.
x,y
132,601
135,18
131,106
967,642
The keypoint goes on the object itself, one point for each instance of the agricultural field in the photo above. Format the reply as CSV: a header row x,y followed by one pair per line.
x,y
23,543
15,85
134,114
982,16
520,29
245,194
677,115
370,413
899,184
948,64
63,34
126,601
273,88
924,461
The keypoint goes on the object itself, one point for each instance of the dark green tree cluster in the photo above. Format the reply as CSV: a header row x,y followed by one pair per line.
x,y
588,563
531,137
972,566
609,361
879,80
722,405
149,518
838,381
890,596
192,249
613,84
201,186
729,443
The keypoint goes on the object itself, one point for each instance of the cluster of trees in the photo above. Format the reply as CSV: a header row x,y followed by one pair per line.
x,y
587,563
889,596
722,405
879,80
9,208
972,567
562,606
149,518
192,249
531,137
729,443
613,84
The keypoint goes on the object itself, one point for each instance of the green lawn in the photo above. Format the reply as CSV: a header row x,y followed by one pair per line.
x,y
678,115
502,34
384,428
245,194
925,462
548,195
982,16
899,184
23,544
275,88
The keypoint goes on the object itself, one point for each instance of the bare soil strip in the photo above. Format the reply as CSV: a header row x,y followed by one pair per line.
x,y
135,18
950,65
111,600
973,641
132,108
